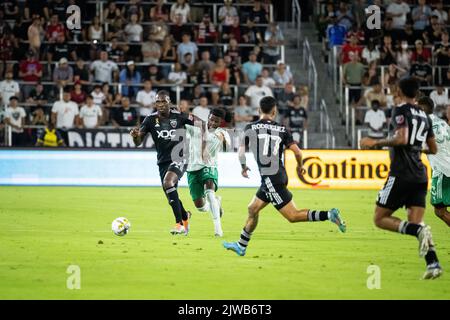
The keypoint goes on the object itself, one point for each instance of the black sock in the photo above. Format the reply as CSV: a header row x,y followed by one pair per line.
x,y
174,202
431,256
316,215
184,214
245,238
409,228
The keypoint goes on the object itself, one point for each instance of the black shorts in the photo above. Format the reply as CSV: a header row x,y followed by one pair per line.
x,y
278,195
397,193
178,167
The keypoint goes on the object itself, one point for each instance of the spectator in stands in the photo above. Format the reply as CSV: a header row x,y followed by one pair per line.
x,y
125,116
77,95
376,92
251,69
226,14
403,56
134,7
90,114
54,29
159,12
393,74
421,71
219,74
95,31
234,51
408,34
38,97
205,63
182,8
113,17
398,11
206,31
345,15
145,99
38,118
151,51
235,31
370,53
267,79
63,73
296,120
187,46
133,35
184,106
50,137
243,114
420,15
130,78
98,95
35,31
433,32
303,92
440,96
387,51
273,38
177,77
446,80
202,110
188,66
226,96
30,70
35,8
15,118
8,88
335,33
440,13
154,75
115,51
371,76
375,120
7,46
80,73
324,20
256,92
352,75
350,47
65,114
59,8
168,55
442,55
111,12
158,31
420,51
178,29
282,74
104,70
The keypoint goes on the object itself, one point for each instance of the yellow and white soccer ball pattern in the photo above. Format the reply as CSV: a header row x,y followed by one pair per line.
x,y
120,226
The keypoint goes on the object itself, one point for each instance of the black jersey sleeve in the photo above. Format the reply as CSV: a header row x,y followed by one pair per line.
x,y
399,118
187,119
145,126
288,139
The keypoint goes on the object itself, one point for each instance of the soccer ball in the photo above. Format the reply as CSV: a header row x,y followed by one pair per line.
x,y
120,226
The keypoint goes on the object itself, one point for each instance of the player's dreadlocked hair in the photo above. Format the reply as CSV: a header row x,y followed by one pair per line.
x,y
218,112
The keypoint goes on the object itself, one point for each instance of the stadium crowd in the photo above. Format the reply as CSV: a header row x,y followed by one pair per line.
x,y
107,73
413,41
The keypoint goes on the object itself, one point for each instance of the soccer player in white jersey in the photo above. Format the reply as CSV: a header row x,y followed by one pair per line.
x,y
440,163
204,148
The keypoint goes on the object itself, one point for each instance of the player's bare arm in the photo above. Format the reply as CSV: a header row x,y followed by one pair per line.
x,y
400,138
137,136
299,158
243,161
432,147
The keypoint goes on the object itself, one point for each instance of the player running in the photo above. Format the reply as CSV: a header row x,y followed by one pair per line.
x,y
204,148
267,140
440,162
407,182
162,125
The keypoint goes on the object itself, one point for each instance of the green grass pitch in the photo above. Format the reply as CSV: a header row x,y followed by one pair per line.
x,y
46,229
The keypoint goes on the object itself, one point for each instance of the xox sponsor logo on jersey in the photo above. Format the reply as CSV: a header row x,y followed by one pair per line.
x,y
166,134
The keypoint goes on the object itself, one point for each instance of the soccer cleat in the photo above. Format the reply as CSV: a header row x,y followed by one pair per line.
x,y
186,223
178,229
336,218
425,239
234,246
433,271
219,200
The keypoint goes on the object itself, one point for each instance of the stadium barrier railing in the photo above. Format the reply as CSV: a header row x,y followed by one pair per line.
x,y
297,21
326,126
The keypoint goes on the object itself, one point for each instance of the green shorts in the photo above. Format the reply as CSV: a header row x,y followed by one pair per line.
x,y
440,191
197,179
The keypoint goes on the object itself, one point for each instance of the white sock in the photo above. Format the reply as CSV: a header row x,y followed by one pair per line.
x,y
205,207
215,210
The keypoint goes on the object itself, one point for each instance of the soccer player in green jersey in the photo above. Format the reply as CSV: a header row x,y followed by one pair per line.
x,y
440,163
204,148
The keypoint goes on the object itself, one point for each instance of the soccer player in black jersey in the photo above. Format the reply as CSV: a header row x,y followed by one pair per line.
x,y
407,182
163,125
268,140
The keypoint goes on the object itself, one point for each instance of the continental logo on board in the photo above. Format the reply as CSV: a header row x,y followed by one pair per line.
x,y
341,169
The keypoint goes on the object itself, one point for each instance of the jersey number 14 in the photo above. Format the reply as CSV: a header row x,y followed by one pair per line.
x,y
417,134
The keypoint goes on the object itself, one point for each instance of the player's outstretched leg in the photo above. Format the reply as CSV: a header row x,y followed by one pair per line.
x,y
443,214
240,246
215,211
185,217
292,214
170,188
